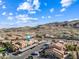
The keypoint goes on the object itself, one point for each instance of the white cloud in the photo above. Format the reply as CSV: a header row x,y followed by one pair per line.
x,y
25,18
10,13
21,17
4,13
43,17
1,2
10,18
73,19
29,5
51,10
25,6
32,12
66,3
36,4
49,17
63,9
3,6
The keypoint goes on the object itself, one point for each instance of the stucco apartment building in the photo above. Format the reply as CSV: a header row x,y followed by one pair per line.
x,y
57,49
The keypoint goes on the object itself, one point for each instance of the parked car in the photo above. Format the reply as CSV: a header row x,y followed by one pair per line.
x,y
36,53
16,53
45,46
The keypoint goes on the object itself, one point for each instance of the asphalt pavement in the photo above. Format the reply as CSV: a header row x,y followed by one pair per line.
x,y
27,53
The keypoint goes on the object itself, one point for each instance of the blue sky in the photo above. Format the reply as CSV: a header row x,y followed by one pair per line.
x,y
16,13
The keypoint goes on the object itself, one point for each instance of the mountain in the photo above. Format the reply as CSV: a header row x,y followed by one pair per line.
x,y
73,24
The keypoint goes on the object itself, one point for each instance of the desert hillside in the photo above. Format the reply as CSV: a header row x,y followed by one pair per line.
x,y
63,30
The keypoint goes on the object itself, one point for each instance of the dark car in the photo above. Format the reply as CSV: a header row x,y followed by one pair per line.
x,y
45,46
16,53
36,53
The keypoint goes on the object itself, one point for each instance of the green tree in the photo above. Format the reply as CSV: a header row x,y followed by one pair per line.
x,y
9,47
30,57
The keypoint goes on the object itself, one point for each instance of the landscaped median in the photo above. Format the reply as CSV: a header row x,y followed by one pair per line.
x,y
29,47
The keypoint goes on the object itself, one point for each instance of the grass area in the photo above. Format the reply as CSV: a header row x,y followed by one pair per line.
x,y
2,49
72,47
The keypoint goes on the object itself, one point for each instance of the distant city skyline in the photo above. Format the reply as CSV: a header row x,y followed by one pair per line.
x,y
18,13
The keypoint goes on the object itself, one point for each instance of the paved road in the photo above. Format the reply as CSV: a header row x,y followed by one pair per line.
x,y
27,53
